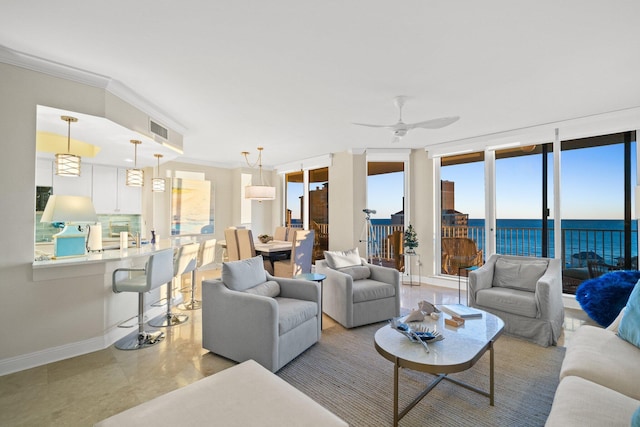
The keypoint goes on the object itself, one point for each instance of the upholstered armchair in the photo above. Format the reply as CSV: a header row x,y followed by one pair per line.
x,y
249,314
356,293
526,292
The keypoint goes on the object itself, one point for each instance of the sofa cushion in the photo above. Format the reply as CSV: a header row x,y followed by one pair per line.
x,y
270,288
514,301
357,272
629,329
293,313
600,356
244,274
579,402
518,274
341,259
368,290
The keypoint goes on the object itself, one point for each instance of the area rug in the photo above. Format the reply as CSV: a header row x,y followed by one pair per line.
x,y
345,374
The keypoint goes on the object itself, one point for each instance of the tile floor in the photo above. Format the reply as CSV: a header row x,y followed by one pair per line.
x,y
85,389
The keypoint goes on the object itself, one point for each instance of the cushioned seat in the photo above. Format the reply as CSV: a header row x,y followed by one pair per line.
x,y
356,293
249,314
525,292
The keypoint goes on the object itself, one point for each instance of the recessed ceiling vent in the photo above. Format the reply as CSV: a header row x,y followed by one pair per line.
x,y
159,130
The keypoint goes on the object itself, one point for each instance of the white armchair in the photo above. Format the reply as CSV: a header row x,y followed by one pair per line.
x,y
249,314
526,292
356,293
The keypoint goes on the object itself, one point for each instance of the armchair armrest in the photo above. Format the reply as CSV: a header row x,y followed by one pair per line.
x,y
297,289
482,278
549,291
385,274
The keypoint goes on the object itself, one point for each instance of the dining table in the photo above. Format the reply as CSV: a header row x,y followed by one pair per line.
x,y
274,250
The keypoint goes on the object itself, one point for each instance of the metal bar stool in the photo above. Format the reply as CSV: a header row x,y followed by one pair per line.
x,y
184,262
206,256
158,271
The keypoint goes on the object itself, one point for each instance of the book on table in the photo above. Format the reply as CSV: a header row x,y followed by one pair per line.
x,y
461,310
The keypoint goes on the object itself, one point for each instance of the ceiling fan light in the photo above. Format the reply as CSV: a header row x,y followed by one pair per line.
x,y
67,164
259,192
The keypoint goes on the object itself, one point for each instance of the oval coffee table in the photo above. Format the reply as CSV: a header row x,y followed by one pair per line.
x,y
460,349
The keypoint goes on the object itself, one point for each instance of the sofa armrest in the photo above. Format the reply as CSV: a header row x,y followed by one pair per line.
x,y
549,291
297,289
482,278
385,274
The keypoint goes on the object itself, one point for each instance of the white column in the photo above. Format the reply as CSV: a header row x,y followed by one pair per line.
x,y
490,202
557,214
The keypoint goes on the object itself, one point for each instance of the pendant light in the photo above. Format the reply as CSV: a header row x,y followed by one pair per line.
x,y
157,184
68,164
258,192
135,176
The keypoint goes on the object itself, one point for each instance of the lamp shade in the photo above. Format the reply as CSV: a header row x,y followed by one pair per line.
x,y
157,184
69,209
259,192
67,165
135,178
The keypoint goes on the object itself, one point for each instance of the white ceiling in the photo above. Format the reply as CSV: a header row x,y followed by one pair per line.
x,y
292,75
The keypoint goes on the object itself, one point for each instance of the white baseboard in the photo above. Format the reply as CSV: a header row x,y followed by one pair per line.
x,y
67,351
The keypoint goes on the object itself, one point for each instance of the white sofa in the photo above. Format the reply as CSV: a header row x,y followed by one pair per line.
x,y
599,380
243,395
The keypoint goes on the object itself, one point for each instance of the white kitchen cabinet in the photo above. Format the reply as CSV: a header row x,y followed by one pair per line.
x,y
74,185
105,185
129,198
44,173
111,194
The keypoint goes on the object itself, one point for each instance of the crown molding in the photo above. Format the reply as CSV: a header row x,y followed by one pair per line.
x,y
56,69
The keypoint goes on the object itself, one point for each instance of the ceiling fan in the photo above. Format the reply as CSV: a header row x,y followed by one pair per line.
x,y
401,128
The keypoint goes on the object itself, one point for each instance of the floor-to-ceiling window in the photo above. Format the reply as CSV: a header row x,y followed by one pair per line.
x,y
294,199
385,196
462,205
319,210
598,176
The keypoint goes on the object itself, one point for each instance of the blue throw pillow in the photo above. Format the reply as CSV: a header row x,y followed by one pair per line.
x,y
629,329
635,418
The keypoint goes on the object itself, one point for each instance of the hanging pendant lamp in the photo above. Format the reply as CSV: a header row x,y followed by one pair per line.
x,y
258,192
135,176
157,184
68,164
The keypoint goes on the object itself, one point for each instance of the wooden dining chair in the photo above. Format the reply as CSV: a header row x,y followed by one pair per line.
x,y
291,234
233,252
301,255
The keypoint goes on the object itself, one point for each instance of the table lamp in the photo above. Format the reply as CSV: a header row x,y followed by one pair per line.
x,y
73,211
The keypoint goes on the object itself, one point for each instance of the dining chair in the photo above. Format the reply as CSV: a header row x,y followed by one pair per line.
x,y
280,234
291,234
301,255
247,247
231,238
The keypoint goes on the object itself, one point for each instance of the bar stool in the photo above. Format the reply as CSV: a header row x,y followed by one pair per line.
x,y
184,262
158,271
206,256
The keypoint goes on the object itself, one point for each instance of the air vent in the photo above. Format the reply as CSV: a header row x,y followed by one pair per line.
x,y
158,129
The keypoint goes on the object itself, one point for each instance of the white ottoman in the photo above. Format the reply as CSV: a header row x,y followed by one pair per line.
x,y
244,395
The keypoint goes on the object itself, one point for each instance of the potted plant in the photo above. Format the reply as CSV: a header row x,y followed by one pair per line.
x,y
410,240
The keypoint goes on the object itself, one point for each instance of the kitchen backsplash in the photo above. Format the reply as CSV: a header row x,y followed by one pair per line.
x,y
112,225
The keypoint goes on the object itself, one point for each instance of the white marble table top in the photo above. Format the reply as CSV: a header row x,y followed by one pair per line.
x,y
461,347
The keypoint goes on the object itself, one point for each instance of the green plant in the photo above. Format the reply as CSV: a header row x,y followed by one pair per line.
x,y
410,239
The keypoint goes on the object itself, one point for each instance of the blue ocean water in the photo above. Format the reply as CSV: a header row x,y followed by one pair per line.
x,y
583,238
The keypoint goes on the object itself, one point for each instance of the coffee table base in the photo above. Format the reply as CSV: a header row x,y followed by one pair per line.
x,y
398,415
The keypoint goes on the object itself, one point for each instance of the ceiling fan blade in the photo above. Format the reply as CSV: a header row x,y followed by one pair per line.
x,y
375,126
434,123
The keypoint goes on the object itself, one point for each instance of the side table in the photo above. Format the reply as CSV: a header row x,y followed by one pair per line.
x,y
314,277
467,269
408,268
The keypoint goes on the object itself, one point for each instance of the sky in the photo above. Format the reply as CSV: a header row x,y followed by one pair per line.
x,y
592,186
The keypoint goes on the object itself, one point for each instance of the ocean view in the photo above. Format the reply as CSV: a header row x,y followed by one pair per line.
x,y
584,239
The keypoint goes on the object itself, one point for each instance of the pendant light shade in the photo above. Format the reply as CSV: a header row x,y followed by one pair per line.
x,y
68,164
135,176
258,192
157,184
